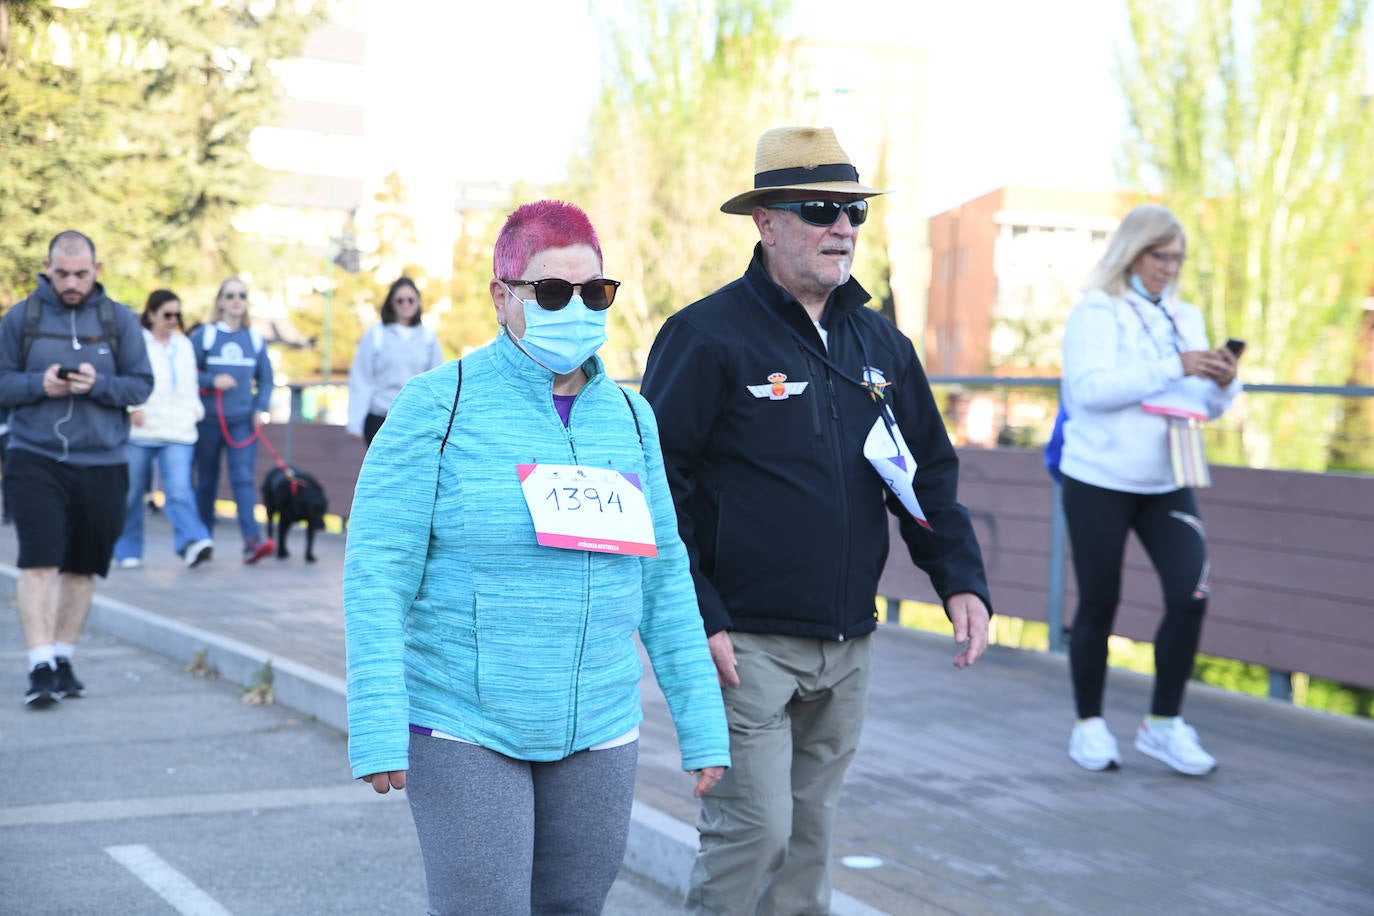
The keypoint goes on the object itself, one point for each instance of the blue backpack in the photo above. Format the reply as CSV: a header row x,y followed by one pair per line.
x,y
1055,447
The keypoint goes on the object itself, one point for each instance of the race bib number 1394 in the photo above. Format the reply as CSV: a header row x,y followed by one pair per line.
x,y
584,508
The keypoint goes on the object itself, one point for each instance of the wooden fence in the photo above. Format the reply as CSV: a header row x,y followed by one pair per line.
x,y
1292,553
1292,558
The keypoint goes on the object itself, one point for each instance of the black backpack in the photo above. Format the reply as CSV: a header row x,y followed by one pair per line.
x,y
104,310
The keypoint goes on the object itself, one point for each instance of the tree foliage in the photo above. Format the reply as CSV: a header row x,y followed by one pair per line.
x,y
129,120
1250,121
348,303
471,320
688,88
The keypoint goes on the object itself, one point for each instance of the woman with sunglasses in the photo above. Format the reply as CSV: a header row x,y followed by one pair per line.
x,y
235,376
393,352
512,529
163,432
1138,374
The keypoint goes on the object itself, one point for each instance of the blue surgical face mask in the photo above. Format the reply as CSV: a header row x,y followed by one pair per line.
x,y
1139,286
563,340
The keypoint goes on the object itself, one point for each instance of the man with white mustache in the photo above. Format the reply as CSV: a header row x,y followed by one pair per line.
x,y
793,418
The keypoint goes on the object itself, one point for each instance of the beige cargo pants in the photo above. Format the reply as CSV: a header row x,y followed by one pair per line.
x,y
765,829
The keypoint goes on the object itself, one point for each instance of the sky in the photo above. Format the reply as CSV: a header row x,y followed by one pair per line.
x,y
1034,103
499,86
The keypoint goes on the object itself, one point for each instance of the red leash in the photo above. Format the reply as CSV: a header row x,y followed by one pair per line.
x,y
257,434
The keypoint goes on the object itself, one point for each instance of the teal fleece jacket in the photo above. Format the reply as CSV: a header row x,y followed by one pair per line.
x,y
456,619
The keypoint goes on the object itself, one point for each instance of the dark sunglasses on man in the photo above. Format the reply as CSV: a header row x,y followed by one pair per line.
x,y
826,212
554,293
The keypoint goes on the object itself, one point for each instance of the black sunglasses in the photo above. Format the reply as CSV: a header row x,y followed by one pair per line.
x,y
554,293
826,212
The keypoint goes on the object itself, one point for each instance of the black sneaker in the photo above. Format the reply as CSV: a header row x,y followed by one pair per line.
x,y
42,687
67,684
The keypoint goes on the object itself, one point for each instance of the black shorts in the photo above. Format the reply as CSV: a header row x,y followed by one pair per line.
x,y
66,516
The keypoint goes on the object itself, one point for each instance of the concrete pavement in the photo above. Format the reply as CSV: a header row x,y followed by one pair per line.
x,y
961,799
161,792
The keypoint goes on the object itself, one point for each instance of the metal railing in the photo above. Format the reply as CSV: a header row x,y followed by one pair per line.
x,y
296,412
1280,685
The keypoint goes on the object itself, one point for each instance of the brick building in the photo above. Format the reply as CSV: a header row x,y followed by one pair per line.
x,y
1006,268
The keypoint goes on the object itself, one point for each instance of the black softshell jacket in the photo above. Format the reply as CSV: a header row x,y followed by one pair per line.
x,y
784,519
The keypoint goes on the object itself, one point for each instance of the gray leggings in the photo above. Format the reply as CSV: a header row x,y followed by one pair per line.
x,y
505,837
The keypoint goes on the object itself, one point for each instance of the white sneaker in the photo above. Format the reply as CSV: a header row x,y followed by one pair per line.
x,y
197,552
1176,745
129,563
1092,746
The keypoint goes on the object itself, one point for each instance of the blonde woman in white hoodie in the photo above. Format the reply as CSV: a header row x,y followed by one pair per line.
x,y
163,430
1138,369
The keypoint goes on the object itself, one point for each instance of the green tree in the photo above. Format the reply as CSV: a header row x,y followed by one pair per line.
x,y
358,300
350,299
395,232
130,119
470,320
872,263
1250,120
1352,443
671,137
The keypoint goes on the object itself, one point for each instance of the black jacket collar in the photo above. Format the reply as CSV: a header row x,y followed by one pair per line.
x,y
844,299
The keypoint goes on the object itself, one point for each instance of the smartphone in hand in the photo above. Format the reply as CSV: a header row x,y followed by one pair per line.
x,y
65,373
1236,346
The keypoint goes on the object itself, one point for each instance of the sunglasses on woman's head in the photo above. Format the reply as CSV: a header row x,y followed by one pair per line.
x,y
826,212
554,293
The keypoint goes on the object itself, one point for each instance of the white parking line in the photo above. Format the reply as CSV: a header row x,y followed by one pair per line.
x,y
169,884
185,805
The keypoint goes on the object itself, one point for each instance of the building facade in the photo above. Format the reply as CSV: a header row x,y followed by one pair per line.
x,y
1006,268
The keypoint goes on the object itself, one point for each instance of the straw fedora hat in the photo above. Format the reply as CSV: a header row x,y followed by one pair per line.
x,y
799,159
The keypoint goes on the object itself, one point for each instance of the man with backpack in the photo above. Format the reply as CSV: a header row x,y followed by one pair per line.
x,y
72,361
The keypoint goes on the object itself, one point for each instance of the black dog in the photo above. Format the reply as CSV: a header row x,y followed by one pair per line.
x,y
298,498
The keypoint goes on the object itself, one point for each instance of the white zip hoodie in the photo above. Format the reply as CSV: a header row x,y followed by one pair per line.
x,y
388,356
1117,355
174,407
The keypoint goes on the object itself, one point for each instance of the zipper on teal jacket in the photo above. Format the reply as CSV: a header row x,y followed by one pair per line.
x,y
586,605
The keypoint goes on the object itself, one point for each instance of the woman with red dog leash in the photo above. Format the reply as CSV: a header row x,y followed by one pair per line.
x,y
235,378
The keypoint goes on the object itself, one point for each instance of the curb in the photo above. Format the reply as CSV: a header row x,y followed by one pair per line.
x,y
302,688
660,848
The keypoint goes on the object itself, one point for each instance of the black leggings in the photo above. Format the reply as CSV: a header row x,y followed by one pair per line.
x,y
371,423
1171,533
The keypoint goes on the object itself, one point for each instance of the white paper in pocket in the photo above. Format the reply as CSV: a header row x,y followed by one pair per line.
x,y
887,451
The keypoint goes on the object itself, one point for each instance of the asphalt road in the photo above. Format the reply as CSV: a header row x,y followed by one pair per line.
x,y
160,793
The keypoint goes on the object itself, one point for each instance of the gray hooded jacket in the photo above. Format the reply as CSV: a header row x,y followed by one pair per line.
x,y
86,430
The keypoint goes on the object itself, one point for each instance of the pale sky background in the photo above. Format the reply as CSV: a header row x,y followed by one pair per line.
x,y
494,88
